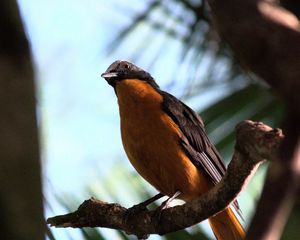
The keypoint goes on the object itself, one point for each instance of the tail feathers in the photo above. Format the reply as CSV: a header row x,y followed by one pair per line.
x,y
226,226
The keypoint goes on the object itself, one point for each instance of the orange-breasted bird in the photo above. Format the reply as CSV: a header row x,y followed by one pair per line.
x,y
166,143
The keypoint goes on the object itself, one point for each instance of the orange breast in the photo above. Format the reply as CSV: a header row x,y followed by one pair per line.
x,y
151,141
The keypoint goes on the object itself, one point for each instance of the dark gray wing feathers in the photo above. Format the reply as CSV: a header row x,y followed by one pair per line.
x,y
195,142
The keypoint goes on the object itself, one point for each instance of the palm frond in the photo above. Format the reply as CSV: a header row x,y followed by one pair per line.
x,y
202,53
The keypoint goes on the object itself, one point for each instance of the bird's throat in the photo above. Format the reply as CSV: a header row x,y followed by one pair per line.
x,y
137,93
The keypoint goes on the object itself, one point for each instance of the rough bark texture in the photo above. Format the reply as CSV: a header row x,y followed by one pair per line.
x,y
20,183
265,38
255,143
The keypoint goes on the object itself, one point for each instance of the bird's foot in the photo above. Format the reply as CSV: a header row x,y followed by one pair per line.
x,y
134,210
141,207
163,206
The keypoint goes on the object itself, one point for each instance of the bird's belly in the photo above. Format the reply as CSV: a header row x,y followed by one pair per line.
x,y
152,144
151,140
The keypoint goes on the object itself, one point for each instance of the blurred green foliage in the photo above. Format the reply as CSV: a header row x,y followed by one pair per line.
x,y
206,64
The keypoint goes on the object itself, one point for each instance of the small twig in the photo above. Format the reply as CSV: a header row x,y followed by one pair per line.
x,y
255,142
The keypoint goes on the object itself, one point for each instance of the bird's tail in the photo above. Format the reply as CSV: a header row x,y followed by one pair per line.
x,y
226,226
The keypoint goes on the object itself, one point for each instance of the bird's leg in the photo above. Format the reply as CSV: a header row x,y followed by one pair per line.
x,y
141,206
165,205
144,204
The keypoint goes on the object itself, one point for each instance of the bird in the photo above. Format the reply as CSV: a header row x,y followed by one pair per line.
x,y
166,143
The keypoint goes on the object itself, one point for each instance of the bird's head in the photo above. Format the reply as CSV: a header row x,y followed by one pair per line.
x,y
121,70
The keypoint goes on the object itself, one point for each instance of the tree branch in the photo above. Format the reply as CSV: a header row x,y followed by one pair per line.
x,y
21,201
283,177
265,38
255,143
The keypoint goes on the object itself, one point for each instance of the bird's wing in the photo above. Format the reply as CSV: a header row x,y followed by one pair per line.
x,y
195,141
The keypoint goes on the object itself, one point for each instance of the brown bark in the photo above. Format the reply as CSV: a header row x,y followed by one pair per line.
x,y
255,143
20,182
265,38
280,189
